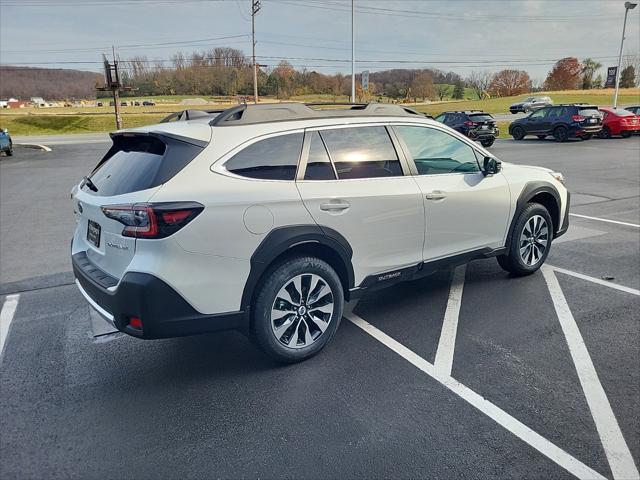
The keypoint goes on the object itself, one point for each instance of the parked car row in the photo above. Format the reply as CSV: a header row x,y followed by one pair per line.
x,y
577,120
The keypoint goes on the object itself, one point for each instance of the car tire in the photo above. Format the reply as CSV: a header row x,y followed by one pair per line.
x,y
10,151
561,134
487,143
541,137
530,241
302,276
625,134
604,133
517,133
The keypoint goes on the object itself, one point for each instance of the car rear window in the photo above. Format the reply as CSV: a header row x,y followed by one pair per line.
x,y
621,112
138,162
589,112
481,117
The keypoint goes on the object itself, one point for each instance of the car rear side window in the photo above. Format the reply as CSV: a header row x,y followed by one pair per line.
x,y
318,164
274,158
435,152
362,152
139,162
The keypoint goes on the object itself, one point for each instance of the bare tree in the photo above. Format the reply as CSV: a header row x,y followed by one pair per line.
x,y
479,81
422,86
441,90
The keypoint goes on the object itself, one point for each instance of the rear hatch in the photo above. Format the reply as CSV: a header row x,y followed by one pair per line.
x,y
133,170
482,124
588,117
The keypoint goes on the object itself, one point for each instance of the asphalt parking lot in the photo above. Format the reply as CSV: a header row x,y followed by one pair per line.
x,y
467,373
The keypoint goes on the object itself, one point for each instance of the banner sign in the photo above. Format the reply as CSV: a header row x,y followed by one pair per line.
x,y
611,77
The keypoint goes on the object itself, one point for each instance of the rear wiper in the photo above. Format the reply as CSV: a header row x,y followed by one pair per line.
x,y
90,184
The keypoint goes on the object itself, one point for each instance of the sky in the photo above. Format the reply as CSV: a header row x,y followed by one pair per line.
x,y
453,35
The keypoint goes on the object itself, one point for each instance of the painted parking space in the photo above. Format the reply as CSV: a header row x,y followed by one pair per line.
x,y
474,381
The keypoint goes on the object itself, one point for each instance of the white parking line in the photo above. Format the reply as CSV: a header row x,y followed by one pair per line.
x,y
605,220
6,316
544,446
615,447
446,346
599,281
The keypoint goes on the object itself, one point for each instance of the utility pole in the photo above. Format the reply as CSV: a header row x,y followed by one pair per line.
x,y
255,8
112,84
627,6
353,56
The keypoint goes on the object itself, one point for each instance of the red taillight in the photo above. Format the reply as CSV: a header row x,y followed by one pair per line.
x,y
135,322
578,118
152,220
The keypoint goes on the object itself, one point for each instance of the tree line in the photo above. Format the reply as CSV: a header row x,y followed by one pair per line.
x,y
228,72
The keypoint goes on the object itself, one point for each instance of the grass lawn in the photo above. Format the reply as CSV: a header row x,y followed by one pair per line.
x,y
66,120
64,124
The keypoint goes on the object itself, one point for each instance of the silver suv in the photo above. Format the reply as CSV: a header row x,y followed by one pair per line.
x,y
530,104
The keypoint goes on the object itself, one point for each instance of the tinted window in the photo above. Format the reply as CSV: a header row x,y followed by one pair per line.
x,y
274,158
440,118
480,117
135,163
435,152
364,152
589,112
318,163
540,113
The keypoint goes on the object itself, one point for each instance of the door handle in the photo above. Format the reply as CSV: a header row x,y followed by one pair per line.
x,y
334,206
436,195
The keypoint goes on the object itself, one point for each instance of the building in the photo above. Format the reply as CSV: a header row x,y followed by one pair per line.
x,y
38,102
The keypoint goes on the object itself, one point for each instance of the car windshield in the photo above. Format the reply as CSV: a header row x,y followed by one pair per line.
x,y
530,99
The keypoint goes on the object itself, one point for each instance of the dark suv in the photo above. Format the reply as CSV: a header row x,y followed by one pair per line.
x,y
562,121
475,124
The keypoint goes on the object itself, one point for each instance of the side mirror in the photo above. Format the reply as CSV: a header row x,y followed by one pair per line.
x,y
491,166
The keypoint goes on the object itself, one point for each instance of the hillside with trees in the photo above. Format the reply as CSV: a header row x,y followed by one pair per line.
x,y
56,84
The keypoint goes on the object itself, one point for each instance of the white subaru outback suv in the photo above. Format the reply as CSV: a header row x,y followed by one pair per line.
x,y
267,218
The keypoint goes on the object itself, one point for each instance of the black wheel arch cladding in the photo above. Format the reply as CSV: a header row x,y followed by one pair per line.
x,y
283,239
530,191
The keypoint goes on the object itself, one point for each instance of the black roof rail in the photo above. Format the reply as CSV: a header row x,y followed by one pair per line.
x,y
184,115
272,112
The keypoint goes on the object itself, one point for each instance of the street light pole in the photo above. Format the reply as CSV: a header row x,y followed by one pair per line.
x,y
627,6
353,56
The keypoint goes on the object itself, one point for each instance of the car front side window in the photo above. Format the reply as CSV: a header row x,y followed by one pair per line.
x,y
435,152
540,114
362,152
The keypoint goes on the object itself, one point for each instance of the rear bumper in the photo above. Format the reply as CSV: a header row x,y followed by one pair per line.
x,y
163,311
579,130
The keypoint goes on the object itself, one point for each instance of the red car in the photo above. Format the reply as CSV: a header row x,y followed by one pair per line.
x,y
617,121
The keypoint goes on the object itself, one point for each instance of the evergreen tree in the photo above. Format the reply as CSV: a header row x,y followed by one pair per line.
x,y
628,77
458,91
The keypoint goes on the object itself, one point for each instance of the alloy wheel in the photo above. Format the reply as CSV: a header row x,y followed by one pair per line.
x,y
302,310
534,240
